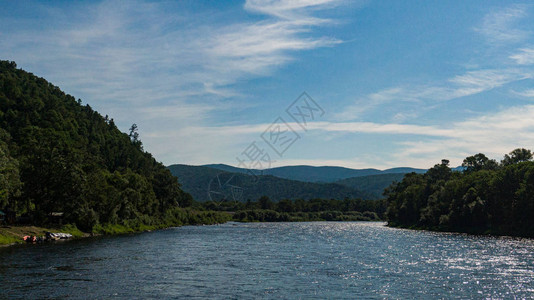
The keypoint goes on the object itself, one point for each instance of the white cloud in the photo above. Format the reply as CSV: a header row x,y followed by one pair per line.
x,y
528,93
475,82
524,57
372,101
257,48
403,116
467,84
291,9
499,25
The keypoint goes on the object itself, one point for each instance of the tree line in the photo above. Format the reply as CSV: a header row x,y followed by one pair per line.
x,y
266,210
486,197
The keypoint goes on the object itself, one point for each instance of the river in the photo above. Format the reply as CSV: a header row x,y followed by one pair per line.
x,y
310,260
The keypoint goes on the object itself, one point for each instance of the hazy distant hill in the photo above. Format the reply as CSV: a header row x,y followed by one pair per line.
x,y
203,181
317,174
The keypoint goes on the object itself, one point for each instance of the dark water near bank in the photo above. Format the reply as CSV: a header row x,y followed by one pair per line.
x,y
273,260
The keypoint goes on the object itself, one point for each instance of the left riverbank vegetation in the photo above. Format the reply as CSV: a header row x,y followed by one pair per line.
x,y
62,162
487,197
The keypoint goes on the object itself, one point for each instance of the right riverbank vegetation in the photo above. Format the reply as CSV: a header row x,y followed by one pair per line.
x,y
487,197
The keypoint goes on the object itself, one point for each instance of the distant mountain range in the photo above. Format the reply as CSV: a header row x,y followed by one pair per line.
x,y
217,181
315,174
205,184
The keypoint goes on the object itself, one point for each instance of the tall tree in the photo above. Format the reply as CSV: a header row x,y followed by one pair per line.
x,y
10,184
517,156
479,162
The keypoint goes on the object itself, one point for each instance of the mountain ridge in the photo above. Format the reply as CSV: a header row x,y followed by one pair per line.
x,y
327,174
206,183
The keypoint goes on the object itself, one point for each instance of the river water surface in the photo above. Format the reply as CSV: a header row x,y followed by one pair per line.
x,y
316,260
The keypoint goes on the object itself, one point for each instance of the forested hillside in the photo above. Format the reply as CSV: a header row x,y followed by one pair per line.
x,y
487,197
57,155
374,185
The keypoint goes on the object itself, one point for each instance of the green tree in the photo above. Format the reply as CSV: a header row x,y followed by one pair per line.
x,y
482,199
265,203
479,162
10,184
285,205
517,156
134,137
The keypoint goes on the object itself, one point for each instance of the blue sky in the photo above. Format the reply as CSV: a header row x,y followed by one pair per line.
x,y
402,83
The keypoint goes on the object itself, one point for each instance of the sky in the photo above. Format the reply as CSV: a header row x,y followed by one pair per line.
x,y
269,83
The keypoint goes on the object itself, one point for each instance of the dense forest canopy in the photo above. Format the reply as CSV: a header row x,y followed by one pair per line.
x,y
57,155
487,197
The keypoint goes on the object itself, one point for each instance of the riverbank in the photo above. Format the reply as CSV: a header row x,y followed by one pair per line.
x,y
10,235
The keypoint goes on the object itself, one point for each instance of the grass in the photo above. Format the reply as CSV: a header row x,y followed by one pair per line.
x,y
14,234
9,239
112,229
72,229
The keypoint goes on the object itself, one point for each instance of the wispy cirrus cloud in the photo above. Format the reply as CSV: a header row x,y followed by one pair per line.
x,y
372,101
467,84
528,93
297,10
474,82
499,26
524,57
